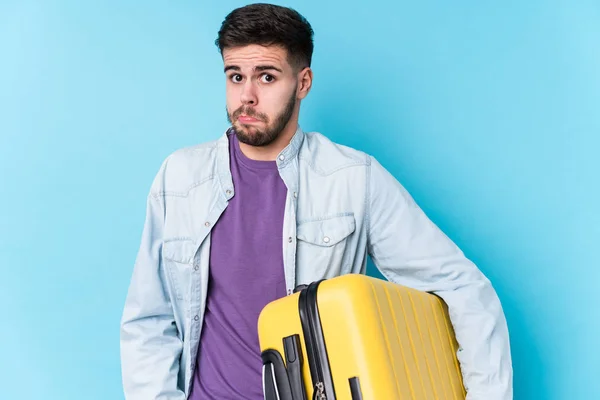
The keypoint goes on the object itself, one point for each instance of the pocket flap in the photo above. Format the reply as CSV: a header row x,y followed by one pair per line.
x,y
181,251
326,232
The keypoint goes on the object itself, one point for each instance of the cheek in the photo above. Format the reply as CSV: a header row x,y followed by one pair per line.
x,y
232,104
232,99
274,101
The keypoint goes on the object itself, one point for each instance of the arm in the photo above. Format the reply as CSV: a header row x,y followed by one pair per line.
x,y
150,347
410,250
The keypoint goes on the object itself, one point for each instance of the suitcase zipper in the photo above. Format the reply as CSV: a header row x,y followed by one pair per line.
x,y
315,344
319,392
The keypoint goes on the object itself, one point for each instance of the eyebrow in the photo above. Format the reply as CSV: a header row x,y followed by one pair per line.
x,y
258,68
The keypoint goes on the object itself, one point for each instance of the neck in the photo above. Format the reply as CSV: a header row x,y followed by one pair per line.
x,y
270,151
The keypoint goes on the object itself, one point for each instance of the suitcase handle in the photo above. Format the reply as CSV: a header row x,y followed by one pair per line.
x,y
281,382
300,288
355,388
293,357
276,385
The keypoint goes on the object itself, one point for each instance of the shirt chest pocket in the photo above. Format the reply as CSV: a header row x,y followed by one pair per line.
x,y
321,247
178,261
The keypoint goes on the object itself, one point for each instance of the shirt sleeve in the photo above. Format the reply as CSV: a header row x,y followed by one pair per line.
x,y
409,249
150,345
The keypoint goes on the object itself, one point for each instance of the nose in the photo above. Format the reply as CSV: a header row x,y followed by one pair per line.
x,y
248,94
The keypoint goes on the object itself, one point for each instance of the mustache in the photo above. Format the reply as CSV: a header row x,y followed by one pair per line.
x,y
250,112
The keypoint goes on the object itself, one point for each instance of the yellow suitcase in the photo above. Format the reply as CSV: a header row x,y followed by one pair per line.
x,y
356,337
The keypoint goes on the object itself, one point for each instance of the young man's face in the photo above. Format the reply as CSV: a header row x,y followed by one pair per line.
x,y
261,90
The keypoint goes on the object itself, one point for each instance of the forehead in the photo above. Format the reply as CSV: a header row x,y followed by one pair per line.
x,y
248,57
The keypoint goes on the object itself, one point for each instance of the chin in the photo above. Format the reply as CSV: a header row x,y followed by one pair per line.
x,y
250,130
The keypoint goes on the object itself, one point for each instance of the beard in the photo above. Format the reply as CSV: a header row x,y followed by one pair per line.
x,y
270,132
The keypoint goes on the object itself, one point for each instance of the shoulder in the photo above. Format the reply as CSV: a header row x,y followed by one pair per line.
x,y
185,168
326,156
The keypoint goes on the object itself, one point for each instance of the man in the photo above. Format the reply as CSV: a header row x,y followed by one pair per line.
x,y
236,223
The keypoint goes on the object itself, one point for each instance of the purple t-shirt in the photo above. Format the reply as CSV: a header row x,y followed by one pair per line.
x,y
246,273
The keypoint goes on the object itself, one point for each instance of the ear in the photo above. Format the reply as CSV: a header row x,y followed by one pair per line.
x,y
305,78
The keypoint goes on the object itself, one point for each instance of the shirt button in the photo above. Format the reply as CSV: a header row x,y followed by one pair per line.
x,y
295,194
282,157
196,267
196,318
207,224
326,239
290,239
228,192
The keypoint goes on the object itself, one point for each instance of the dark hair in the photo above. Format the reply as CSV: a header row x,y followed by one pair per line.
x,y
268,24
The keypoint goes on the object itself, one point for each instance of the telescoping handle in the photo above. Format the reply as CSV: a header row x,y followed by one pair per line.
x,y
293,357
283,380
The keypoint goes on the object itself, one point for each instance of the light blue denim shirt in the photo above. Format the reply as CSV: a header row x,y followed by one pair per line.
x,y
341,207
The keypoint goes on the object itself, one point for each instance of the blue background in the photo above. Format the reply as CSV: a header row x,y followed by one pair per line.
x,y
487,112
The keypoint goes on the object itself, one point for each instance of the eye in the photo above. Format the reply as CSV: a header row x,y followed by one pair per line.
x,y
235,78
267,78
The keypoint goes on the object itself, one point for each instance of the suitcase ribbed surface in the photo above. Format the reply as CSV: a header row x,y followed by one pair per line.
x,y
419,341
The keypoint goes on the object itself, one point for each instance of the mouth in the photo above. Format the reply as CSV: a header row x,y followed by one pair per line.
x,y
247,120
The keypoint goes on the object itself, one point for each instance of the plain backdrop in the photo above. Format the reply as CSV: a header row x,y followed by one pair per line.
x,y
487,112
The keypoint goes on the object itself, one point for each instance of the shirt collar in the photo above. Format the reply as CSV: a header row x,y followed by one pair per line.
x,y
285,156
